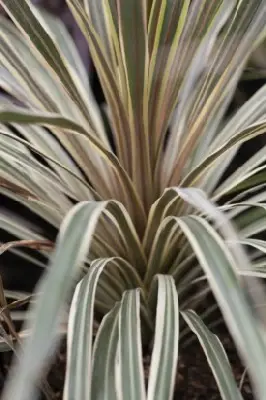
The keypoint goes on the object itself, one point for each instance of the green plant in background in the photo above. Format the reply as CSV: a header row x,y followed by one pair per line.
x,y
144,239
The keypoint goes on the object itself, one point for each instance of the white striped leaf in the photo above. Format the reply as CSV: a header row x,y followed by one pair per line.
x,y
217,263
80,334
163,368
130,367
103,383
216,356
72,246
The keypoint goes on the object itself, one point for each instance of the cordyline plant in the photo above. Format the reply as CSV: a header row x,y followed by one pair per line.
x,y
141,232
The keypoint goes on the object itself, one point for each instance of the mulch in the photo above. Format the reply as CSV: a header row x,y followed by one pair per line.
x,y
194,379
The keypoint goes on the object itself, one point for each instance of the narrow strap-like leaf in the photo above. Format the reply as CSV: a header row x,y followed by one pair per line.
x,y
80,334
216,357
24,16
163,366
216,261
72,246
130,366
104,357
19,115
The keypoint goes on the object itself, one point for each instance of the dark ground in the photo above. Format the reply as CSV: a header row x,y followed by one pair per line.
x,y
194,379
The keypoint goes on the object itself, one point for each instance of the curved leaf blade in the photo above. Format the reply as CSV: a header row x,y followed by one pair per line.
x,y
217,263
130,369
216,356
165,349
71,249
104,357
80,334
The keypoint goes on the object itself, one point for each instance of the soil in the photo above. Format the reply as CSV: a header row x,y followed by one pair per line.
x,y
194,379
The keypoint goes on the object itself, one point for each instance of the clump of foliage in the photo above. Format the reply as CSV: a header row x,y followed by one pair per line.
x,y
146,226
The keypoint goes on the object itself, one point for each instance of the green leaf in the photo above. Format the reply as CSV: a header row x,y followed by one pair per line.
x,y
110,82
218,265
216,356
19,115
133,42
251,112
130,372
104,357
239,138
132,23
238,39
71,249
65,43
80,334
24,15
163,366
